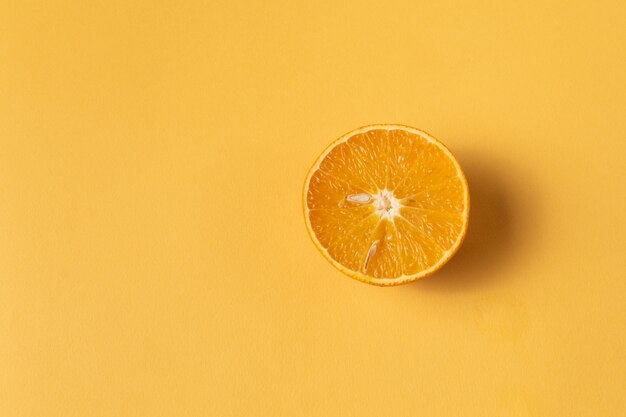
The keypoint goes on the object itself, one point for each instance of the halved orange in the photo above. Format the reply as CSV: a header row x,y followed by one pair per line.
x,y
386,204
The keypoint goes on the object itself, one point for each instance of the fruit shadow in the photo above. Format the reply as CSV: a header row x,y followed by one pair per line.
x,y
488,242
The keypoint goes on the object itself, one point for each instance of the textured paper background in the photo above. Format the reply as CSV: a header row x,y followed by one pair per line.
x,y
153,258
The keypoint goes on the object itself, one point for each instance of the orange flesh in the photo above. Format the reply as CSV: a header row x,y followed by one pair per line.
x,y
387,203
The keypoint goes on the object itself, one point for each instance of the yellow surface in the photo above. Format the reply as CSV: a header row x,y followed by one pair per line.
x,y
153,256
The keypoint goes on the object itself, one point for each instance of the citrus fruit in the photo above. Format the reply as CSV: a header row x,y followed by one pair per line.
x,y
386,204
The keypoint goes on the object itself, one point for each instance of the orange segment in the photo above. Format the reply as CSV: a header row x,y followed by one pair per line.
x,y
386,204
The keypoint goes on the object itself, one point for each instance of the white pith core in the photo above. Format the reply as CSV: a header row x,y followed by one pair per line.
x,y
387,205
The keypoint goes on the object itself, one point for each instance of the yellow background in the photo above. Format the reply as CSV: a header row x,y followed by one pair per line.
x,y
153,258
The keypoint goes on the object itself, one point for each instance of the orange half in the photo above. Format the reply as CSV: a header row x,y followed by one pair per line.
x,y
386,204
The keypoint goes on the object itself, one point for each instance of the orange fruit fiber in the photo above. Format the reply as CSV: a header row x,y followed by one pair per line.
x,y
386,204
